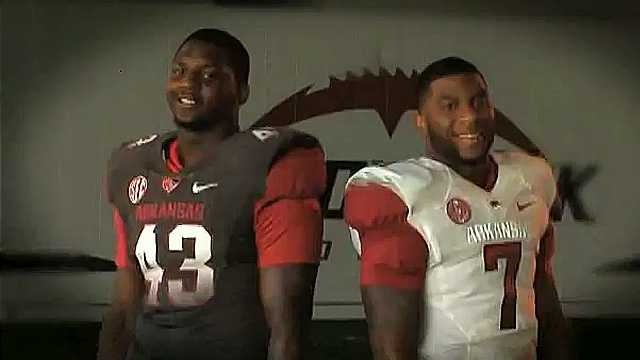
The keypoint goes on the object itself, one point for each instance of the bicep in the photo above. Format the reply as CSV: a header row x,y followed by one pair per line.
x,y
393,265
392,278
285,283
288,242
393,319
288,227
286,292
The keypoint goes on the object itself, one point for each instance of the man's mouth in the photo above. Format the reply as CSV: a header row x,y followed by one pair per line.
x,y
186,100
470,136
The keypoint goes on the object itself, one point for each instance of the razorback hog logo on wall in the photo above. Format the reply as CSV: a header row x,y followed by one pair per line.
x,y
391,95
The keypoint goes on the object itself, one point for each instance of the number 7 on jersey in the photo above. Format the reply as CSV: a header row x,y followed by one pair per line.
x,y
512,252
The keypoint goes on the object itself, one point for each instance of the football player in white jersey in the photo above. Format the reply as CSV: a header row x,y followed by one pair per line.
x,y
456,245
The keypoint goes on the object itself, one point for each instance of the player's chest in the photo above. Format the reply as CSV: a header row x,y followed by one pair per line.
x,y
201,205
155,198
172,214
464,217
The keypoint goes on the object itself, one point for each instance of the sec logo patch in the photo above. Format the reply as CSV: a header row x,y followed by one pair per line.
x,y
137,188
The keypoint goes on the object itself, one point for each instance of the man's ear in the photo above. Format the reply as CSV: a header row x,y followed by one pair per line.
x,y
421,124
244,93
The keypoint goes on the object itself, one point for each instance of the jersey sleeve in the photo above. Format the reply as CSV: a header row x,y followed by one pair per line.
x,y
121,257
546,250
112,182
547,183
539,175
288,217
392,252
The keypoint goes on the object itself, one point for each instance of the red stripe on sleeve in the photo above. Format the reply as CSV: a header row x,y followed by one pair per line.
x,y
288,218
289,231
300,173
121,258
394,256
372,205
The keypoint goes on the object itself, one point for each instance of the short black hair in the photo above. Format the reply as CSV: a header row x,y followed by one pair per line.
x,y
451,65
238,54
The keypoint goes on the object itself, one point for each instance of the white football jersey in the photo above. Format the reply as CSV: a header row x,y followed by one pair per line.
x,y
482,246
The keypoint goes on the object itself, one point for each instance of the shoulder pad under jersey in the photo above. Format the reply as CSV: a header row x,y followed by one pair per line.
x,y
139,142
130,156
406,178
535,171
286,137
132,150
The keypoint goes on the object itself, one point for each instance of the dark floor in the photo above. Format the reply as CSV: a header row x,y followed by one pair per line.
x,y
594,339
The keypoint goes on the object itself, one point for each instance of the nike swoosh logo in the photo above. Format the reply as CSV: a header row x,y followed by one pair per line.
x,y
199,187
525,205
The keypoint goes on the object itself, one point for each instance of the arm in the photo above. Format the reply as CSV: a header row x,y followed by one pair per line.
x,y
287,295
392,270
553,339
393,319
507,130
118,322
289,240
116,334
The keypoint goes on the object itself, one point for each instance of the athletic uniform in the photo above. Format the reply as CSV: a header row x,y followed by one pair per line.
x,y
481,246
199,235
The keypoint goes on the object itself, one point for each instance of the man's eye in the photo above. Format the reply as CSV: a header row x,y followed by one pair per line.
x,y
210,74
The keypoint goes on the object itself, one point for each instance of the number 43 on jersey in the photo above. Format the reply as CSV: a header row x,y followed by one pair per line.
x,y
178,290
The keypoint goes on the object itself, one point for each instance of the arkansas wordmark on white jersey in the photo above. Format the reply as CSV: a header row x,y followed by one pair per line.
x,y
482,252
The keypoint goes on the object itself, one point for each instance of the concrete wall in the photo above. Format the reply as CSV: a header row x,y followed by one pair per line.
x,y
78,79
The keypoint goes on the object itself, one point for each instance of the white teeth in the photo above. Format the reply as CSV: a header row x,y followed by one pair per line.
x,y
187,101
469,136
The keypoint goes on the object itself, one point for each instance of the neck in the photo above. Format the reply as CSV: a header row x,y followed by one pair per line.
x,y
193,146
482,173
